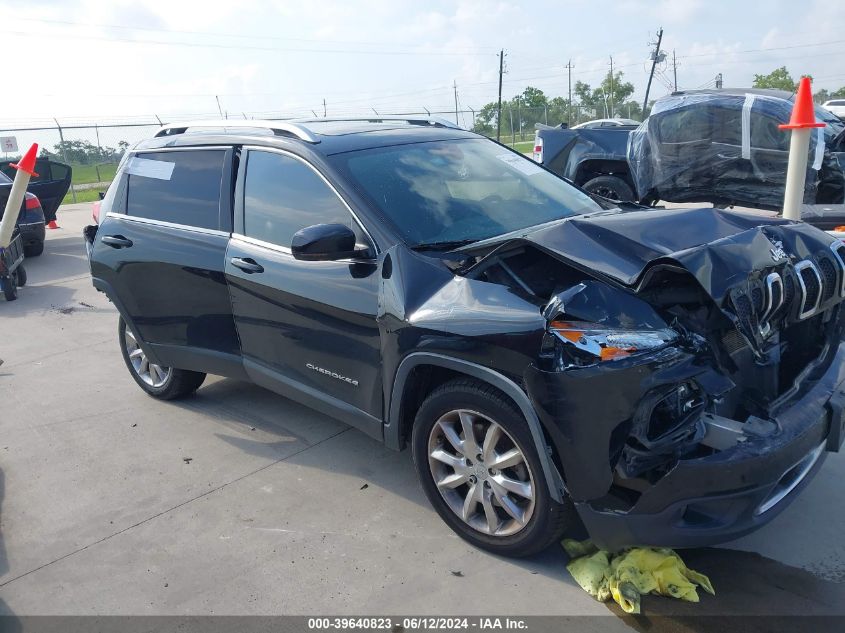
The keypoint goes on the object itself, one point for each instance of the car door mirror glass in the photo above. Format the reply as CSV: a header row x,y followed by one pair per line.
x,y
325,242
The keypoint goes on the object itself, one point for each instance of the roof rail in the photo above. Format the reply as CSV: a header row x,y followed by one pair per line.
x,y
280,128
433,121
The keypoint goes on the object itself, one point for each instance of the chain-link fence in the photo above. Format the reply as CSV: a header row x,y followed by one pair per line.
x,y
94,150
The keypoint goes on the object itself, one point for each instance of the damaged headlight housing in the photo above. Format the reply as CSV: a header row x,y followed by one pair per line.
x,y
583,344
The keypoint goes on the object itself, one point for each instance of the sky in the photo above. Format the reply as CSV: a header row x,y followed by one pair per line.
x,y
92,61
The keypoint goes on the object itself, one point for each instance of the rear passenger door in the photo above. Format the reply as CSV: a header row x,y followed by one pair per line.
x,y
307,328
161,247
50,185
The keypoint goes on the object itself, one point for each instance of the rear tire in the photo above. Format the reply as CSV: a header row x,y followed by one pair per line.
x,y
10,288
491,490
610,187
33,250
164,383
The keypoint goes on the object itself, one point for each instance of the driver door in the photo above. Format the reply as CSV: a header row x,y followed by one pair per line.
x,y
307,328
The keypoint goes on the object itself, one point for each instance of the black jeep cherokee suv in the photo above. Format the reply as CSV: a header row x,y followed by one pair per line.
x,y
670,377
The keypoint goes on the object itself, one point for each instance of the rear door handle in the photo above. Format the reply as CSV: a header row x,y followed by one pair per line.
x,y
117,241
247,265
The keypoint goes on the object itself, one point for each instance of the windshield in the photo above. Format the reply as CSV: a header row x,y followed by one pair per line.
x,y
4,178
459,191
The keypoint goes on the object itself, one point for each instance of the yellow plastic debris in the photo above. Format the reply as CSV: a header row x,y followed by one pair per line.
x,y
631,573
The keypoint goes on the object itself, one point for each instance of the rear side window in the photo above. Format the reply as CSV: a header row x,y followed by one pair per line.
x,y
182,187
283,195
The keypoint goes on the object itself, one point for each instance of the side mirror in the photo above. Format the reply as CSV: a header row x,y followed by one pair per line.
x,y
324,242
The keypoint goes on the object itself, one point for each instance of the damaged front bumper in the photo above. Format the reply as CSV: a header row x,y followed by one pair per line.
x,y
701,500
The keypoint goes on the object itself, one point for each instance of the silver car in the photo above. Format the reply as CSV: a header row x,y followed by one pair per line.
x,y
836,106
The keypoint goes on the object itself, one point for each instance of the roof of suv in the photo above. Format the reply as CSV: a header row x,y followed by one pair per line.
x,y
325,136
736,92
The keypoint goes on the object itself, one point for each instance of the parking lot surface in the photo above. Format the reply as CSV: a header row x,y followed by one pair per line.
x,y
238,501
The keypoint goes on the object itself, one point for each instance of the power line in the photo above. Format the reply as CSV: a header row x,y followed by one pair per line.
x,y
251,37
118,40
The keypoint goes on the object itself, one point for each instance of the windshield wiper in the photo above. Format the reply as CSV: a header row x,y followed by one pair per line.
x,y
446,245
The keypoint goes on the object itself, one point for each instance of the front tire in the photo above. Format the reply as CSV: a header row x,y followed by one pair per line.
x,y
479,468
164,383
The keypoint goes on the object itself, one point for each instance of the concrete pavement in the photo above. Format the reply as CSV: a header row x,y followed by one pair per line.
x,y
238,501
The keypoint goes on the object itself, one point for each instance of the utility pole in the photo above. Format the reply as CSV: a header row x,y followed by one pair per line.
x,y
569,68
499,108
219,109
654,59
611,85
675,69
455,87
324,108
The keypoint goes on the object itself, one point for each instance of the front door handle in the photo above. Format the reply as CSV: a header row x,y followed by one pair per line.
x,y
117,241
247,265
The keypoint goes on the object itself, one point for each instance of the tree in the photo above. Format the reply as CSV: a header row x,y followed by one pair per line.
x,y
485,120
528,108
779,79
532,106
824,95
596,103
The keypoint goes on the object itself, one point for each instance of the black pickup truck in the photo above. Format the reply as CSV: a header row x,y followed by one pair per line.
x,y
595,159
718,146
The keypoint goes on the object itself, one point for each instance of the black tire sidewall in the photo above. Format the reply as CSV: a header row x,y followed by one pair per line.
x,y
10,288
622,188
153,391
33,250
180,383
466,396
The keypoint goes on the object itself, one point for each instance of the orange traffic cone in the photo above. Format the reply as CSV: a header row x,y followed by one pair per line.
x,y
27,163
803,111
52,225
800,123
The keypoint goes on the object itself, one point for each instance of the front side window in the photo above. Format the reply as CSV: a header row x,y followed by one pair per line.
x,y
460,190
685,125
765,134
182,187
282,195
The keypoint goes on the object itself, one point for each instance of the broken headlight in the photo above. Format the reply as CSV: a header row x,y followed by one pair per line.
x,y
583,344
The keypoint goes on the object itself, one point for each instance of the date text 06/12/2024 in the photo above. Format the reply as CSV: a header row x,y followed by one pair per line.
x,y
425,623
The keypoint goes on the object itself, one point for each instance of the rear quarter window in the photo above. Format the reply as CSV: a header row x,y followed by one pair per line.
x,y
181,187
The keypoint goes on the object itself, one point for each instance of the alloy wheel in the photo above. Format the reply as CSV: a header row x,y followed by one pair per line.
x,y
153,375
488,483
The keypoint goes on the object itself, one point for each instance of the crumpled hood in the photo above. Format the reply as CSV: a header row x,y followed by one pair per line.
x,y
719,248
